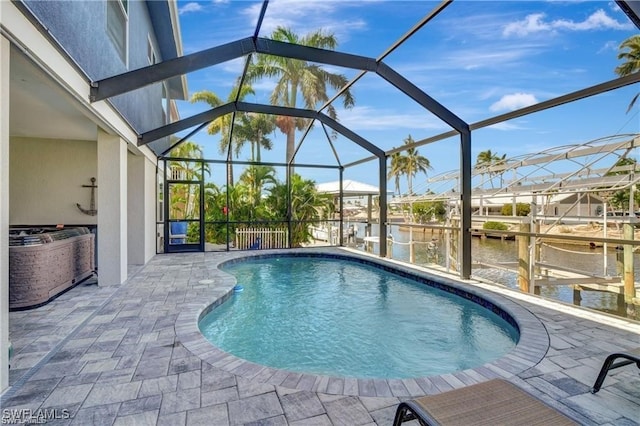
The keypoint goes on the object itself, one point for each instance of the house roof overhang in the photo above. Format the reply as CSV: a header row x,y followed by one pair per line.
x,y
164,18
632,9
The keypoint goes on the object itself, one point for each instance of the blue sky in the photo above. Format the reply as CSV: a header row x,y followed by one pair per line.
x,y
477,58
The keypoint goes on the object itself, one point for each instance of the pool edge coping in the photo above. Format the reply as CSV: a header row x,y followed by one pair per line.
x,y
529,351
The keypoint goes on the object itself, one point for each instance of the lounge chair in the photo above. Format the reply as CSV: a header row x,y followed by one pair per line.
x,y
629,358
495,402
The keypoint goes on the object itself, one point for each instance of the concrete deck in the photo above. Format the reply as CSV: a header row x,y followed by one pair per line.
x,y
131,355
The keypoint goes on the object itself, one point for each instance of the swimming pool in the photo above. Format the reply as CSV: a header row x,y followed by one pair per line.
x,y
340,316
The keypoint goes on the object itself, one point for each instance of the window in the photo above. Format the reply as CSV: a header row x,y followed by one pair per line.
x,y
118,25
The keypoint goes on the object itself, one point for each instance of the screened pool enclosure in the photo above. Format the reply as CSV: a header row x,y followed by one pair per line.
x,y
256,188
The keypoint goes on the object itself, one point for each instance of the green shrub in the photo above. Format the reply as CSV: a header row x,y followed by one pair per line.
x,y
495,225
522,209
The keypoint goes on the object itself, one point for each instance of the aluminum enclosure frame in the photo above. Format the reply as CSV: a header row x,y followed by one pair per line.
x,y
122,83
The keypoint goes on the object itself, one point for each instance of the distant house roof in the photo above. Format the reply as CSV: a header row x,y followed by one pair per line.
x,y
349,188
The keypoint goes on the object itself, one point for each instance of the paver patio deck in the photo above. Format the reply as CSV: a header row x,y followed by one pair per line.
x,y
128,355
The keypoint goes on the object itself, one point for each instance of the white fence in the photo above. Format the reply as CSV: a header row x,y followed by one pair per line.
x,y
261,238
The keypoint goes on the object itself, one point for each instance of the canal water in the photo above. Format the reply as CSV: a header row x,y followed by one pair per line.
x,y
431,248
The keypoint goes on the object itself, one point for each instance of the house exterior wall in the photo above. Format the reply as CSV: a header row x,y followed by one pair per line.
x,y
62,46
80,26
48,182
4,212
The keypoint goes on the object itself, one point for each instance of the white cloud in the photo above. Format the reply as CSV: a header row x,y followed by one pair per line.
x,y
536,23
531,24
190,7
368,118
303,17
513,101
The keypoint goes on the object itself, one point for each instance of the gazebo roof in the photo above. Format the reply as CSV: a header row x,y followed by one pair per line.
x,y
350,188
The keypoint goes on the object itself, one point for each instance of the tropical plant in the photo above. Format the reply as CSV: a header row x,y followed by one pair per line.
x,y
254,128
306,205
396,169
223,123
413,163
299,81
485,160
631,62
255,178
426,211
184,202
620,199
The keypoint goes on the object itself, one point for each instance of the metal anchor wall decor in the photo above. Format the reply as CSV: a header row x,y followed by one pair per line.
x,y
92,206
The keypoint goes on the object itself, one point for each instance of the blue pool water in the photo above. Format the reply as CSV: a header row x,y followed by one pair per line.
x,y
343,318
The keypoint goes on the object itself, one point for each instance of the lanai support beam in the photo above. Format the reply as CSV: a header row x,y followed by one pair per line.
x,y
462,128
135,79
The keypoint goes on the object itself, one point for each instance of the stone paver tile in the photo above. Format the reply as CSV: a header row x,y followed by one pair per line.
x,y
80,343
271,421
247,388
322,420
181,400
136,406
604,406
190,379
374,404
147,418
213,379
27,360
112,335
99,415
35,392
151,367
219,396
347,411
79,379
112,393
98,366
157,352
213,415
67,395
301,405
184,364
174,419
159,385
384,416
254,408
58,369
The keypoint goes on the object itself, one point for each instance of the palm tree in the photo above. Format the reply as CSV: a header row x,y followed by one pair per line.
x,y
256,177
254,128
632,61
396,169
296,77
183,199
222,124
485,160
413,163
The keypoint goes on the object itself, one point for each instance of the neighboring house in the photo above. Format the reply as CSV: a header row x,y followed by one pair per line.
x,y
53,140
548,205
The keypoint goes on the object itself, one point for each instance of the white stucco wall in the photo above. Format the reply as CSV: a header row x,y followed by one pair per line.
x,y
46,181
141,202
4,212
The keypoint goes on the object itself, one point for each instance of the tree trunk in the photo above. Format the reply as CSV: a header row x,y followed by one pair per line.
x,y
291,146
